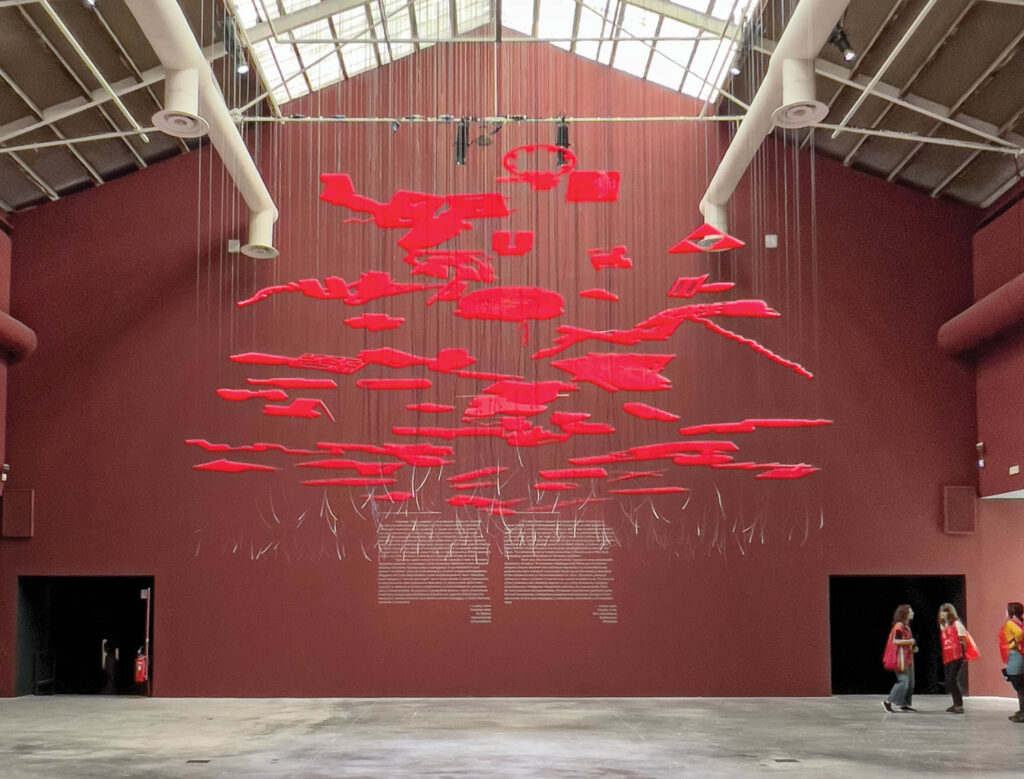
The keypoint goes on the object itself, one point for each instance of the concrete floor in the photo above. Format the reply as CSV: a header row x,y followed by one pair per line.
x,y
849,736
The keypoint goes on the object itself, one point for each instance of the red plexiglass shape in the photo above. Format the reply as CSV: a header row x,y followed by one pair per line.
x,y
529,393
575,473
344,482
706,239
372,285
750,425
538,179
475,485
241,394
300,408
660,326
630,475
479,473
555,486
230,466
393,384
688,286
362,468
609,258
593,186
511,304
649,491
508,245
691,452
430,408
204,444
614,371
375,322
643,411
494,405
430,219
295,383
597,293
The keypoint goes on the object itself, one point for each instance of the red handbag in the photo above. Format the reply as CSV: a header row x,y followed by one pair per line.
x,y
971,648
890,658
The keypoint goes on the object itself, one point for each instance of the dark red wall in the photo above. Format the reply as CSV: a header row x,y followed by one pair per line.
x,y
999,258
132,296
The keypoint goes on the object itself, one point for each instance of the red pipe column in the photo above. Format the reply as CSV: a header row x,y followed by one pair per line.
x,y
17,341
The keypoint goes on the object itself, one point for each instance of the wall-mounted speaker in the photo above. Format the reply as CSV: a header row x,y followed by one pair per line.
x,y
959,509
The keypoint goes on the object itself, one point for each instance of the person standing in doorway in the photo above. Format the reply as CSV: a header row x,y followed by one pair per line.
x,y
1011,643
902,693
954,648
110,658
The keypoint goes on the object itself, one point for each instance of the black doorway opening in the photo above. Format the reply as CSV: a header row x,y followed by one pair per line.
x,y
62,623
860,615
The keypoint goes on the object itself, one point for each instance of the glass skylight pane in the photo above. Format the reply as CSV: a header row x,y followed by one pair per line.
x,y
665,69
399,27
325,72
472,13
701,65
555,21
351,24
433,21
692,85
720,67
247,13
591,25
696,5
517,16
290,6
359,57
631,55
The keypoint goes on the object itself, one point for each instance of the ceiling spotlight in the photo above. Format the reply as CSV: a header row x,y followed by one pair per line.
x,y
461,141
394,125
242,68
562,140
840,41
89,3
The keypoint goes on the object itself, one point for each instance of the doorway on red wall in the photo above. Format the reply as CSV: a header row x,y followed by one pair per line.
x,y
860,616
81,635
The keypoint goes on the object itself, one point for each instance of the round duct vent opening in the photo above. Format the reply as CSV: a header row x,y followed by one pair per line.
x,y
180,124
803,113
259,251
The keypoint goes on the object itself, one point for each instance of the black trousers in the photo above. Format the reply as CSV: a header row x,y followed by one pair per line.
x,y
955,680
1017,680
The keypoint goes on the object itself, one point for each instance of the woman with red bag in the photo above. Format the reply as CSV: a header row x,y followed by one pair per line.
x,y
899,657
957,648
1011,644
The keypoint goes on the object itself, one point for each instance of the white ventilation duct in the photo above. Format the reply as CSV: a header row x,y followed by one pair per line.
x,y
785,97
180,115
168,32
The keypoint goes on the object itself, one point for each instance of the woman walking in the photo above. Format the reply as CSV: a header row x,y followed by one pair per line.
x,y
954,650
903,646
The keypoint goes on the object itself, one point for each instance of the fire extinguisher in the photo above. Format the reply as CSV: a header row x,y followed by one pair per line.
x,y
141,667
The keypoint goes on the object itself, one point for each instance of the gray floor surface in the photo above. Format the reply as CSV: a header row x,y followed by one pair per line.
x,y
848,736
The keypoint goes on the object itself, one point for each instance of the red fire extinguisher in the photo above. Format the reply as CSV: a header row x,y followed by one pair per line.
x,y
141,668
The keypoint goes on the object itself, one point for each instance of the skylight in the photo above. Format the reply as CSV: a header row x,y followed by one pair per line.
x,y
684,45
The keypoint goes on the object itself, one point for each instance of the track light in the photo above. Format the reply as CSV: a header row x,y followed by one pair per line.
x,y
840,41
242,67
562,140
461,141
